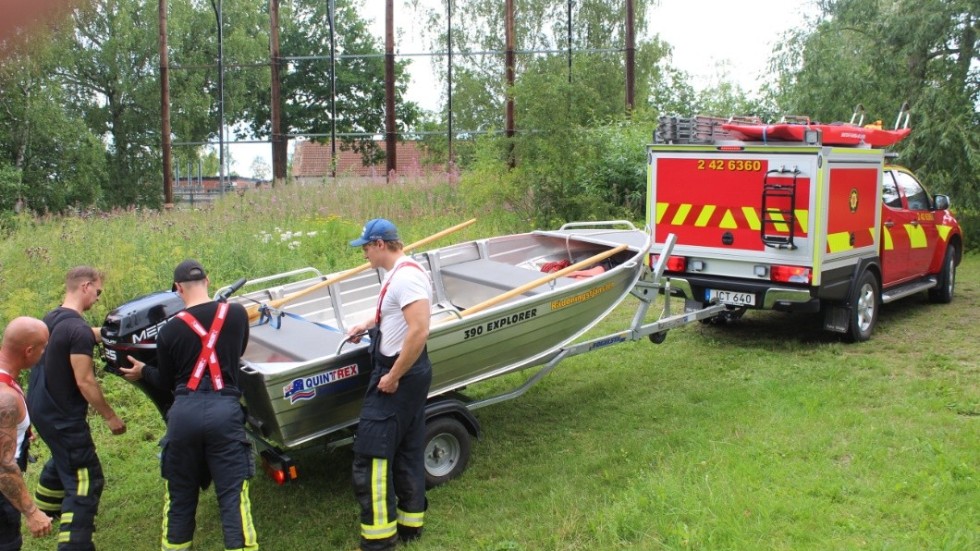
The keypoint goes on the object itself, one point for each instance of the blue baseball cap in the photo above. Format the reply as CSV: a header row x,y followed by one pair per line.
x,y
379,228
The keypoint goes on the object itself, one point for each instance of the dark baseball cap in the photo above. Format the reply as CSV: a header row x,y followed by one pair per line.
x,y
379,228
189,270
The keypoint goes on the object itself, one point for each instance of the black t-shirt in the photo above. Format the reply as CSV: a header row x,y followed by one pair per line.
x,y
178,348
70,334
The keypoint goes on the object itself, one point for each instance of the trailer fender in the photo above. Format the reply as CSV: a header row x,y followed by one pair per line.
x,y
454,408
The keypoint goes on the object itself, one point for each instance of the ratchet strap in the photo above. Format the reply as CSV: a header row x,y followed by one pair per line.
x,y
208,340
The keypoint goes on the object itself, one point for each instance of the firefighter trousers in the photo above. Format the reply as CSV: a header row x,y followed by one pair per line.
x,y
206,442
10,538
389,461
71,482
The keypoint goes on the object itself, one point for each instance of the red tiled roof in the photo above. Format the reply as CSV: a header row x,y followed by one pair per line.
x,y
312,160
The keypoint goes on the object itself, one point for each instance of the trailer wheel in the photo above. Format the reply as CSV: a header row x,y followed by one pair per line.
x,y
447,450
943,293
865,303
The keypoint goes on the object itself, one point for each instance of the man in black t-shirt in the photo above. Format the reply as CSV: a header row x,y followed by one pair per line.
x,y
61,388
205,437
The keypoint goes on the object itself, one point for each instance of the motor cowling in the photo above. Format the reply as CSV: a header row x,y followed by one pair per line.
x,y
131,330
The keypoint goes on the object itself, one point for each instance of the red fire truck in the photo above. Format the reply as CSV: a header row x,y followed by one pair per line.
x,y
802,226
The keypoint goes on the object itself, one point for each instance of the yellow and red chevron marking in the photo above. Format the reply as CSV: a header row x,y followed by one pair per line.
x,y
729,218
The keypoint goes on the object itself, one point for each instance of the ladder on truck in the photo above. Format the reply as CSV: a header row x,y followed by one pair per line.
x,y
778,221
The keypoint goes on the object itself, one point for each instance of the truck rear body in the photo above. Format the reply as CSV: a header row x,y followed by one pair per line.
x,y
766,226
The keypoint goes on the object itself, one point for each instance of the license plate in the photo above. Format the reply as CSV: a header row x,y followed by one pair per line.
x,y
731,297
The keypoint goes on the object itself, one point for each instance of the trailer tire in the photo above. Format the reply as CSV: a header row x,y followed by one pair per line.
x,y
943,292
864,306
447,450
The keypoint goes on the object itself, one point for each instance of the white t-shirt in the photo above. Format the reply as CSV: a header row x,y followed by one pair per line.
x,y
409,285
22,426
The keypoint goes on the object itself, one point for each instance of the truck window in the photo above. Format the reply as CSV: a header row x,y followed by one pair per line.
x,y
915,195
889,191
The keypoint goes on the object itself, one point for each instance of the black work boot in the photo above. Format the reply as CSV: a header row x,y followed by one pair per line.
x,y
409,533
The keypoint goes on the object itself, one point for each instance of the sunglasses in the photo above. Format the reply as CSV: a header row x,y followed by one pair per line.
x,y
98,292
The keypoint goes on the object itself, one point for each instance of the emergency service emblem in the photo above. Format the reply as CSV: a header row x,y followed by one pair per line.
x,y
853,201
304,388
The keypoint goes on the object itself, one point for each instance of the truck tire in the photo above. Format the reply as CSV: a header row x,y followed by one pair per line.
x,y
864,306
447,450
943,292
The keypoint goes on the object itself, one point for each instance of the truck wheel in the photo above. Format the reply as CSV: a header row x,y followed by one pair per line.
x,y
447,450
943,292
865,303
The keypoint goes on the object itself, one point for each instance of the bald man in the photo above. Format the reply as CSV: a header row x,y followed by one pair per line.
x,y
23,343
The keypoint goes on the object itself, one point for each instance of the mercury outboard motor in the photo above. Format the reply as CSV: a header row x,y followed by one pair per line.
x,y
131,330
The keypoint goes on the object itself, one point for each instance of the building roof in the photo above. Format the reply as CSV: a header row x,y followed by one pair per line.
x,y
312,160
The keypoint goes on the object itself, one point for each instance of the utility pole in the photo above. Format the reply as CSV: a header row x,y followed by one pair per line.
x,y
630,60
279,143
221,99
168,182
390,138
509,70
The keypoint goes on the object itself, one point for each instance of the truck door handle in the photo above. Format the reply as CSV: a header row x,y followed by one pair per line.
x,y
889,223
915,222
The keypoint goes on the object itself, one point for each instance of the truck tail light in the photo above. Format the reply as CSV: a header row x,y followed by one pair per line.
x,y
791,274
674,263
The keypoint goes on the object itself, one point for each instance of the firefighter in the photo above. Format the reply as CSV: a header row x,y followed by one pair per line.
x,y
205,439
23,343
62,387
389,464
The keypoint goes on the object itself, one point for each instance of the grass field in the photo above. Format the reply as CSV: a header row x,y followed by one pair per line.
x,y
768,434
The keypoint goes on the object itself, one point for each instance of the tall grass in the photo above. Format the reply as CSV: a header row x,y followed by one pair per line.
x,y
768,434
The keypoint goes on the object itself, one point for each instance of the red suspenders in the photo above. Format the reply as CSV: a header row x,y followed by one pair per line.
x,y
208,340
384,290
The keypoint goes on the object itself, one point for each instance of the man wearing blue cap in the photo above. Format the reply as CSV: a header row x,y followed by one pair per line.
x,y
389,463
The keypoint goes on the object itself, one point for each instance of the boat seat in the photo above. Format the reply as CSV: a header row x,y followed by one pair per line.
x,y
499,275
295,339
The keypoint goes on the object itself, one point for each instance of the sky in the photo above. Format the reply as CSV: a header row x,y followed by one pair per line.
x,y
707,36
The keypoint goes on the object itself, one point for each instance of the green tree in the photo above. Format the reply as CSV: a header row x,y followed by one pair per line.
x,y
882,53
360,88
51,160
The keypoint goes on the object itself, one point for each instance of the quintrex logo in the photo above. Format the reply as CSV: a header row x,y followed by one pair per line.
x,y
304,388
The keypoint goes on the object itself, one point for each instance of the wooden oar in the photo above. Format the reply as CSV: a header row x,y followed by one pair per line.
x,y
541,281
253,311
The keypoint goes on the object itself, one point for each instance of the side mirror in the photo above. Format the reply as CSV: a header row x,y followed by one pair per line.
x,y
942,202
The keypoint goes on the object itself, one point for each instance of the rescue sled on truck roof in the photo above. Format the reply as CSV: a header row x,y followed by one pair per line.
x,y
494,312
797,224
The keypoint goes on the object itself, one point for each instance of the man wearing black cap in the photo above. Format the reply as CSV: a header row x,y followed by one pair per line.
x,y
205,437
62,387
389,462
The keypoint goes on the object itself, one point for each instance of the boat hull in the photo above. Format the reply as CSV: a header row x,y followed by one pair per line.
x,y
301,382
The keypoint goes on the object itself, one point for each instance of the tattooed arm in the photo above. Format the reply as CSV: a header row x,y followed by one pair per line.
x,y
11,480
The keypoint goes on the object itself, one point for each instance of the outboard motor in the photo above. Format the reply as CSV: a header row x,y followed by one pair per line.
x,y
131,330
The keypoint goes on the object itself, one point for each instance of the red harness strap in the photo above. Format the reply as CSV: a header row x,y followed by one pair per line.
x,y
208,340
384,290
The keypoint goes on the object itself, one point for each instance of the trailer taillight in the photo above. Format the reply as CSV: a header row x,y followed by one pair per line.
x,y
279,467
790,274
674,263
